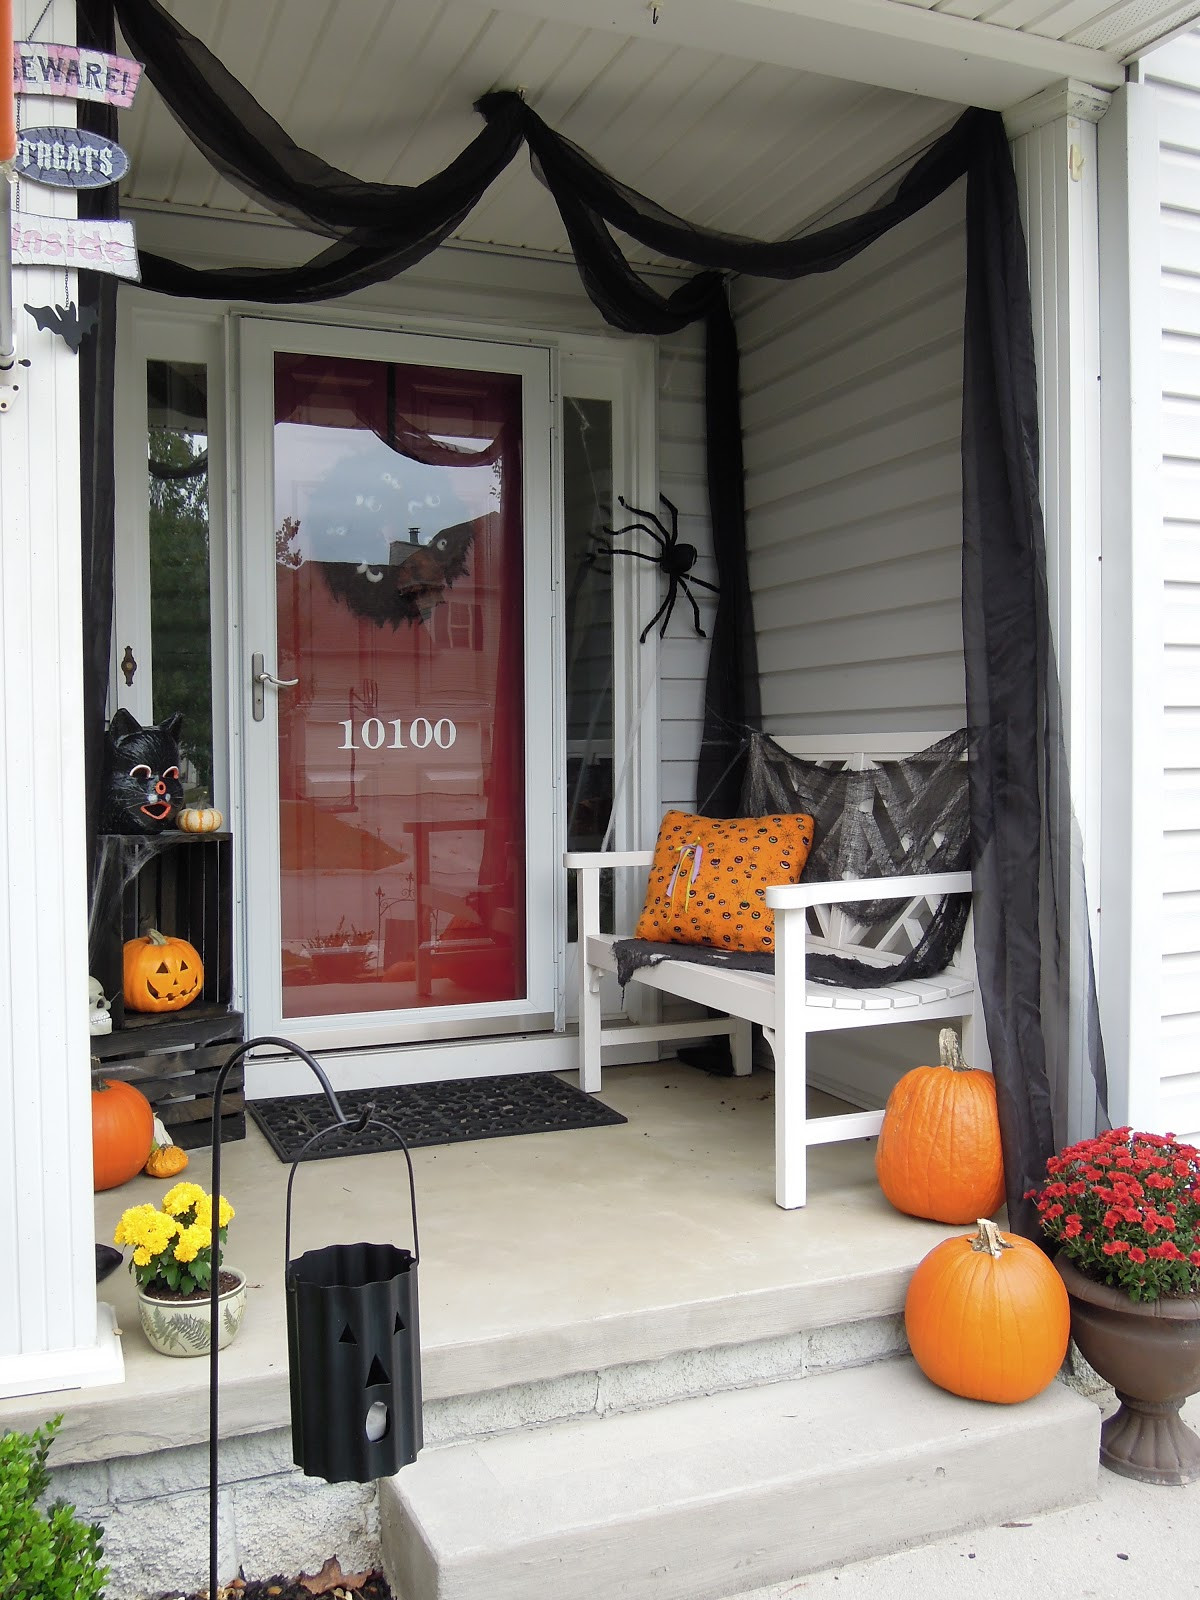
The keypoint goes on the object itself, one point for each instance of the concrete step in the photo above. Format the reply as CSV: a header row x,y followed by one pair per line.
x,y
674,1366
711,1497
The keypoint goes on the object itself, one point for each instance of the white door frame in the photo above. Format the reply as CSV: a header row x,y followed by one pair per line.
x,y
257,338
195,337
603,365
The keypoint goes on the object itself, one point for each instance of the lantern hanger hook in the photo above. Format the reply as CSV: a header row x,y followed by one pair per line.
x,y
365,1119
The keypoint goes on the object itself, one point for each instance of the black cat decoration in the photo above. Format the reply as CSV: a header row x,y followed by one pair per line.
x,y
141,789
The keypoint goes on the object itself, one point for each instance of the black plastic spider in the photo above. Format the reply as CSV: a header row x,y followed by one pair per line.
x,y
675,559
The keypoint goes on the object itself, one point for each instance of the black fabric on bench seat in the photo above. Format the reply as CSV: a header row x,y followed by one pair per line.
x,y
634,954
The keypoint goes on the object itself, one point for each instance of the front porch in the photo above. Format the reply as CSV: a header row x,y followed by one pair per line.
x,y
541,1257
564,1277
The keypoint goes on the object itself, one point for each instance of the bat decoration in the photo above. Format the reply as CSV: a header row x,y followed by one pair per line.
x,y
410,585
70,324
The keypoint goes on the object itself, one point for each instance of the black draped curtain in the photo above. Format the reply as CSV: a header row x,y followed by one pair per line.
x,y
97,377
1017,774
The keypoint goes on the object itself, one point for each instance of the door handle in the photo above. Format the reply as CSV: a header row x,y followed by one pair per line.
x,y
262,678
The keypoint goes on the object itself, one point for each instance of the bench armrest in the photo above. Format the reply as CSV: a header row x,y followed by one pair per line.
x,y
799,896
593,860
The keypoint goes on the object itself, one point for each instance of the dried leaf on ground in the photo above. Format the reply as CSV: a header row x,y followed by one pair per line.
x,y
331,1577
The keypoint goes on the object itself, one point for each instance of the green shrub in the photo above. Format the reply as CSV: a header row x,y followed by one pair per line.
x,y
45,1554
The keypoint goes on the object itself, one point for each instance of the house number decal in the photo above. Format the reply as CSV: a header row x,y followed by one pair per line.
x,y
372,732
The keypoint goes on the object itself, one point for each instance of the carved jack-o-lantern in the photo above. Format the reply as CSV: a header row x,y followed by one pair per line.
x,y
161,974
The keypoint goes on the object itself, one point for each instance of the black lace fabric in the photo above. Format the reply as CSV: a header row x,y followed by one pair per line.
x,y
895,818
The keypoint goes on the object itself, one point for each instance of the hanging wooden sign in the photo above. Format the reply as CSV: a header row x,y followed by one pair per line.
x,y
69,158
94,244
63,70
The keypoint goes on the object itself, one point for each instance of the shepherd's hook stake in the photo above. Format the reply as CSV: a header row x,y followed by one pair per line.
x,y
215,1283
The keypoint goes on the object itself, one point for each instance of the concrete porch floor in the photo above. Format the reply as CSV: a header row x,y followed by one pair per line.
x,y
541,1256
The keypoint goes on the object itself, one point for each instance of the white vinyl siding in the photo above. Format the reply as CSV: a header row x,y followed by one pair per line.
x,y
852,406
683,478
1174,73
852,416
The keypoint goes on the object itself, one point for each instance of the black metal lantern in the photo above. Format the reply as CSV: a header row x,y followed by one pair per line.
x,y
354,1351
354,1344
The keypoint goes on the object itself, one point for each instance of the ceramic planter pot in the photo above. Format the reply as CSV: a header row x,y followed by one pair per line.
x,y
1150,1352
182,1327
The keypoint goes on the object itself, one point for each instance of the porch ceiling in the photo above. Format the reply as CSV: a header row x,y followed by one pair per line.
x,y
752,115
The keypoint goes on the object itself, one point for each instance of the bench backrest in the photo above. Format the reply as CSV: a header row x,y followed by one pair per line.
x,y
856,750
835,925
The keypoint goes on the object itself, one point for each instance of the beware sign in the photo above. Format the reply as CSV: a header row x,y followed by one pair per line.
x,y
69,158
63,70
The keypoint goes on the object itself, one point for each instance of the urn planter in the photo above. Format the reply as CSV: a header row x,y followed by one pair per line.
x,y
183,1327
1149,1351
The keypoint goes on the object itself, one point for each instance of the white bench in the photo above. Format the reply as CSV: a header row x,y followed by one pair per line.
x,y
787,1006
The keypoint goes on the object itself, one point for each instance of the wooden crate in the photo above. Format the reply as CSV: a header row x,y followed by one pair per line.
x,y
174,1059
179,883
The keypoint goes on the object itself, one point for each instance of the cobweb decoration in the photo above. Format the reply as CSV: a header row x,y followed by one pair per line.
x,y
894,819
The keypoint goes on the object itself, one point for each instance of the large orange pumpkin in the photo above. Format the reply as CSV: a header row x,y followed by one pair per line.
x,y
939,1152
122,1132
987,1316
161,973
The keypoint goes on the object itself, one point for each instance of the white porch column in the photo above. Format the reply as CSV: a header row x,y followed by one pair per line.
x,y
51,1336
1135,728
1054,154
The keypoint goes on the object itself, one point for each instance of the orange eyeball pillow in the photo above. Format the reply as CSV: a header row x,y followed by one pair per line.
x,y
709,875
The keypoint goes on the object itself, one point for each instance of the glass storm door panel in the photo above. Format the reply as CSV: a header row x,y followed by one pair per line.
x,y
398,682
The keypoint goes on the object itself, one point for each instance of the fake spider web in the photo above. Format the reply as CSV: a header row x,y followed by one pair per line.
x,y
896,818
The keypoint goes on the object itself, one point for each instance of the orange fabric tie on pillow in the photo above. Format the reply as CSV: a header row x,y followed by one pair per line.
x,y
709,875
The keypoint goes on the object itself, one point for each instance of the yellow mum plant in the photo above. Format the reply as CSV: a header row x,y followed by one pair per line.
x,y
172,1244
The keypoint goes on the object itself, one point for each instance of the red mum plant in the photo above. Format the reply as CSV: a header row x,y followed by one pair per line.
x,y
1125,1208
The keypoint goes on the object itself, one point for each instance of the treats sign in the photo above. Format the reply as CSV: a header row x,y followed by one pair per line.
x,y
69,158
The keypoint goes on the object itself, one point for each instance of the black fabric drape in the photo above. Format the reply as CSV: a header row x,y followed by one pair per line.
x,y
1017,773
732,699
1020,807
247,146
97,378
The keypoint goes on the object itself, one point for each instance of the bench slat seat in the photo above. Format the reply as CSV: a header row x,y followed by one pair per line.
x,y
786,1005
726,987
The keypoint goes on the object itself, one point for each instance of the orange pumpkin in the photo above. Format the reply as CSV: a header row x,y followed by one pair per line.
x,y
161,974
987,1317
939,1153
122,1133
165,1160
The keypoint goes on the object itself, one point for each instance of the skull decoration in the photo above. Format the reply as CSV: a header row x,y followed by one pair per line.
x,y
99,1016
161,974
141,789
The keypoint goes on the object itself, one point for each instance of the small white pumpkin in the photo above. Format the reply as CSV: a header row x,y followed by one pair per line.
x,y
199,819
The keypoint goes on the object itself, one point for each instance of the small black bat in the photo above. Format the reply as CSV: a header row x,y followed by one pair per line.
x,y
70,324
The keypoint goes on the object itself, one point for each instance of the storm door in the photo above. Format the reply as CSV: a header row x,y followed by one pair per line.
x,y
397,686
